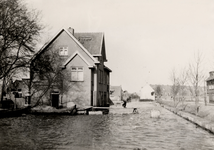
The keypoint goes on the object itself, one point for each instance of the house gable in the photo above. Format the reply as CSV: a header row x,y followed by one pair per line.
x,y
73,56
65,38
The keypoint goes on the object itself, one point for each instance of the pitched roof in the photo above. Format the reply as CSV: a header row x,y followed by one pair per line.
x,y
106,68
147,88
74,38
91,41
210,78
72,56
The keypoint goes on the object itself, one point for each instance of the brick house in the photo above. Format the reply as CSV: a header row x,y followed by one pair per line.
x,y
81,58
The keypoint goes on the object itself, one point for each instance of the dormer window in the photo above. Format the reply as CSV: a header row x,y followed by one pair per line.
x,y
63,51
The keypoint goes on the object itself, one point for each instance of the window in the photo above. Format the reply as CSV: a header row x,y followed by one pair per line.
x,y
63,51
211,87
107,78
100,76
77,74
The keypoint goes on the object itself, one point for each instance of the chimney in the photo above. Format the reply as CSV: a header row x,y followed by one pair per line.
x,y
71,30
211,73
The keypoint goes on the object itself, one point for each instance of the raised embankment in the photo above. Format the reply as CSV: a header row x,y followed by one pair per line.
x,y
200,122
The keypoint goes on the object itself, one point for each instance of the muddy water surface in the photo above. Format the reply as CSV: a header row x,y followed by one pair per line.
x,y
120,129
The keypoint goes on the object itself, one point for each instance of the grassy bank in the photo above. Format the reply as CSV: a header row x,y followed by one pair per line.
x,y
204,112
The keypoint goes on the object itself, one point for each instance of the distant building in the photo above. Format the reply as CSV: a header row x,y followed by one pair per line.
x,y
13,94
147,93
210,87
116,94
187,94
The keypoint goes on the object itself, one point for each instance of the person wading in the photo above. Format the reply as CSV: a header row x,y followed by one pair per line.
x,y
124,104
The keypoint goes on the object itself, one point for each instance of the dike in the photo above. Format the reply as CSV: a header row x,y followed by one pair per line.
x,y
200,122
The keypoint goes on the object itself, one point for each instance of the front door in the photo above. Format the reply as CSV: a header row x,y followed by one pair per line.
x,y
55,100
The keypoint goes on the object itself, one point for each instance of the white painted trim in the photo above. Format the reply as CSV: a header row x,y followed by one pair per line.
x,y
97,55
77,53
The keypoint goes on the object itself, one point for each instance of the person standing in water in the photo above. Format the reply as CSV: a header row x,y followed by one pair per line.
x,y
124,104
125,97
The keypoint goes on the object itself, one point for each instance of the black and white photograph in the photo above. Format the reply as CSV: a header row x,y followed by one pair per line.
x,y
107,74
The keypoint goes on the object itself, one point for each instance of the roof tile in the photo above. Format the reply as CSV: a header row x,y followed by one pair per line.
x,y
91,41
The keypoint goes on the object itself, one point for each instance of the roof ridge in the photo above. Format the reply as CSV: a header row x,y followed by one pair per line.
x,y
89,32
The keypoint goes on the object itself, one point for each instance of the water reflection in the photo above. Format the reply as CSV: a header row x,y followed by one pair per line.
x,y
113,131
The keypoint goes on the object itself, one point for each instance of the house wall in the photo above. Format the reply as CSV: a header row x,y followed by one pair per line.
x,y
146,93
115,98
1,83
210,90
82,93
78,92
102,84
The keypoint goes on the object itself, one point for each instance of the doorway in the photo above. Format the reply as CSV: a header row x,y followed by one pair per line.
x,y
55,99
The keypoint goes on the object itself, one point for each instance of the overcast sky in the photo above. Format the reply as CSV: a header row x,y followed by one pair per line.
x,y
145,39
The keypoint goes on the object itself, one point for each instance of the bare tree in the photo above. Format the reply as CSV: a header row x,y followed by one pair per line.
x,y
47,74
158,91
19,30
183,78
196,76
175,86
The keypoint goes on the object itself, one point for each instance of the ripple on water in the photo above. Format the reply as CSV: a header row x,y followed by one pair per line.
x,y
113,131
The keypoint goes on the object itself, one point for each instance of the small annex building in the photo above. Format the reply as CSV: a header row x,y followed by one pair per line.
x,y
147,93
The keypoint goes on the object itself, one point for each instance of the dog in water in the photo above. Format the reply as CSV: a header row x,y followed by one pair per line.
x,y
135,111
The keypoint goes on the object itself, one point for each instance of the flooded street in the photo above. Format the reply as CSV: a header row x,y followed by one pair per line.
x,y
120,129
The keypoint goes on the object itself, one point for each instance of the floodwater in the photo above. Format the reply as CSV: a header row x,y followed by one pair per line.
x,y
120,129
